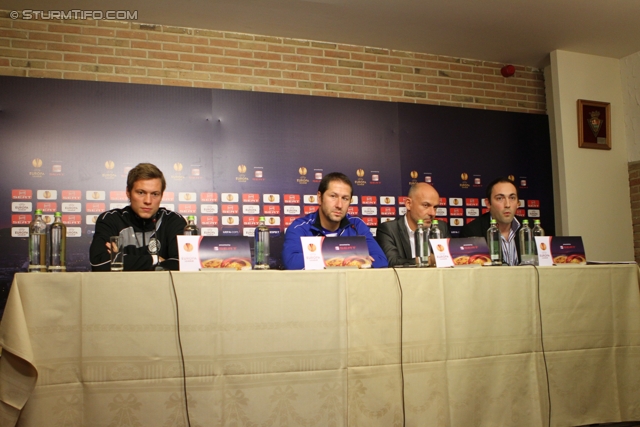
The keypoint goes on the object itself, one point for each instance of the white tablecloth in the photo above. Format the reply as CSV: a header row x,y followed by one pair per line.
x,y
436,347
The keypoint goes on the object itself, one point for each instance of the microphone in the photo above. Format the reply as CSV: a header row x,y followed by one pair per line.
x,y
154,244
155,223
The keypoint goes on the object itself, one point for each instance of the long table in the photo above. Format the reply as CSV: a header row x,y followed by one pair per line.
x,y
498,346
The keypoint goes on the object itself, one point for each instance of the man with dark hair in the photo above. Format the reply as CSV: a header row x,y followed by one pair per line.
x,y
147,231
502,201
397,237
145,171
330,220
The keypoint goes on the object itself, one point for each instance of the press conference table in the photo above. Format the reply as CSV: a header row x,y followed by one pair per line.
x,y
436,347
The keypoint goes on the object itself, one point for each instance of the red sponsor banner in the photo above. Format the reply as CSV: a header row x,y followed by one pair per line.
x,y
485,210
472,202
96,207
310,209
20,219
209,197
187,208
443,201
291,199
402,199
520,212
168,196
289,219
21,194
456,211
250,221
250,198
387,210
72,219
230,209
208,220
468,220
353,210
271,209
47,206
71,195
368,200
533,203
118,195
443,219
371,221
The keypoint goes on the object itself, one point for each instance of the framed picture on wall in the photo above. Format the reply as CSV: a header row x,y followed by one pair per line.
x,y
594,124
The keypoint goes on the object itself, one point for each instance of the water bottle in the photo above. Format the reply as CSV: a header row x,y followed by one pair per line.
x,y
495,245
421,238
527,244
434,231
57,245
537,231
37,244
537,228
262,245
191,229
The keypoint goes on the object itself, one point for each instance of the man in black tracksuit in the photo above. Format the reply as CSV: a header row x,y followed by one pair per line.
x,y
147,231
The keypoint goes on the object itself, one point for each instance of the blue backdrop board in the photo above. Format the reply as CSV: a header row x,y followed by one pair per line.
x,y
459,151
230,156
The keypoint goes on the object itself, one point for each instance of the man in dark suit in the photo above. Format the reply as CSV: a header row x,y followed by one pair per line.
x,y
396,237
502,201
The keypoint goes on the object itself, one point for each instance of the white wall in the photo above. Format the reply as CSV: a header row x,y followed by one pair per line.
x,y
630,73
592,186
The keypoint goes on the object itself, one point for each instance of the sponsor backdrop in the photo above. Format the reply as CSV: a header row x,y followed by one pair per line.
x,y
230,156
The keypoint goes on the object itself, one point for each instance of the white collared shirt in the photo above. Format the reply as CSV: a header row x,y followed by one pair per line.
x,y
509,246
412,240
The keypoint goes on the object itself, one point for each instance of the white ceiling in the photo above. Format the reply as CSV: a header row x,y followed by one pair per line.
x,y
521,32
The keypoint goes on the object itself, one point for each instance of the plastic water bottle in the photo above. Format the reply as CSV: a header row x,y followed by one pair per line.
x,y
37,244
262,245
421,238
58,245
434,231
495,245
537,231
191,229
527,244
537,228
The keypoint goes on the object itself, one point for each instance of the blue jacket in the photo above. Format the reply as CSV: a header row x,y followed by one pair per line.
x,y
310,226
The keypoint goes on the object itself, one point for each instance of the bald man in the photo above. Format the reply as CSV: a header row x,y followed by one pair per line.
x,y
396,237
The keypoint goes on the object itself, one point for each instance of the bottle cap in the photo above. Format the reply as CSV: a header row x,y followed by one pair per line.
x,y
191,218
493,221
435,221
525,221
58,215
38,211
420,222
536,221
261,218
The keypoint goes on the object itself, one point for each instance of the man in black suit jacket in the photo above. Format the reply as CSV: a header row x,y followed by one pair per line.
x,y
502,201
396,237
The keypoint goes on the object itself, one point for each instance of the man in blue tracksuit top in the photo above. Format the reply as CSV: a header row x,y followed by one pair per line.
x,y
330,220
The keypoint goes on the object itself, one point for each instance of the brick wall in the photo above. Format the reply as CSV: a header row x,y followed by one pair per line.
x,y
165,55
634,188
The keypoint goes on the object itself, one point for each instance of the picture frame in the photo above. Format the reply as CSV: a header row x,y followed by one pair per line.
x,y
594,124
